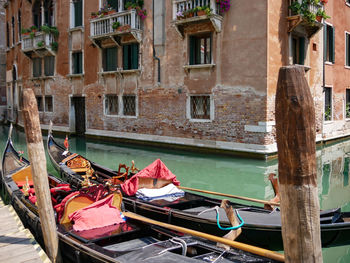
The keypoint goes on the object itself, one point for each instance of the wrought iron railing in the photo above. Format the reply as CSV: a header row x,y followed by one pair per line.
x,y
104,25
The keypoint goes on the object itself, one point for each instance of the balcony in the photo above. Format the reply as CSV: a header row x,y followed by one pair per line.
x,y
183,15
102,28
41,44
303,18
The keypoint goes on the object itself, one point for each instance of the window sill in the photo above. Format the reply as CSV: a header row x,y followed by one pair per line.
x,y
306,68
127,117
200,120
105,73
130,71
78,28
328,63
43,78
81,75
347,67
198,66
348,4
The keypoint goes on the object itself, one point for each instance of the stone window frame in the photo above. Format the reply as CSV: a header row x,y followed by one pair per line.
x,y
191,58
211,109
347,49
121,105
331,60
105,106
45,103
42,106
71,62
347,104
72,15
123,108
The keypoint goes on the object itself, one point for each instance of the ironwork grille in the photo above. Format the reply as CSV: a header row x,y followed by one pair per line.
x,y
200,107
111,105
129,105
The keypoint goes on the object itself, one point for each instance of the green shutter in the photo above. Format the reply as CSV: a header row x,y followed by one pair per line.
x,y
192,50
332,46
126,57
80,57
78,13
134,56
301,50
112,59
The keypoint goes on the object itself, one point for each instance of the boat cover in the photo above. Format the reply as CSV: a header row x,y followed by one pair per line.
x,y
156,170
169,192
99,214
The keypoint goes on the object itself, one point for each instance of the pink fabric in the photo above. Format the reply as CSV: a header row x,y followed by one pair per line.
x,y
99,214
157,169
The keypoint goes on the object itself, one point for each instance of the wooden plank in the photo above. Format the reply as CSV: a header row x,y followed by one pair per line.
x,y
295,130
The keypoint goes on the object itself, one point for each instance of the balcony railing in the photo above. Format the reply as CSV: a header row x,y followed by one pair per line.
x,y
102,27
184,5
41,40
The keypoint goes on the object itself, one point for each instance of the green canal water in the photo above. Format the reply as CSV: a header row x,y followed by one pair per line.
x,y
222,174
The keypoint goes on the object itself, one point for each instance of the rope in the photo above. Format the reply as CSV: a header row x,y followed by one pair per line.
x,y
218,221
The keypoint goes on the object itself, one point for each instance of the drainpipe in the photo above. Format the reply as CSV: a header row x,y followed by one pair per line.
x,y
154,51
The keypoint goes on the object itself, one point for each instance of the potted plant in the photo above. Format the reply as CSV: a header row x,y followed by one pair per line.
x,y
40,44
116,25
54,46
25,31
201,11
321,14
45,29
32,34
224,5
33,28
142,13
93,14
54,31
180,15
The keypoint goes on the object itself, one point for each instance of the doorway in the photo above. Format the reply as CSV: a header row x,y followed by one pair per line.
x,y
78,115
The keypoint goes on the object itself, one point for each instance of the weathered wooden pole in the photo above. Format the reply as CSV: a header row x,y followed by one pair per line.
x,y
295,128
37,160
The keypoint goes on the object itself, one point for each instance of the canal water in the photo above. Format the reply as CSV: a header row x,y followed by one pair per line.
x,y
222,174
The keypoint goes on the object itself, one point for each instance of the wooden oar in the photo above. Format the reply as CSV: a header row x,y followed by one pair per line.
x,y
252,249
228,195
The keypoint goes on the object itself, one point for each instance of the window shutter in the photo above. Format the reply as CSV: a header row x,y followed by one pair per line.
x,y
192,49
301,50
126,57
347,62
78,14
80,67
112,59
332,47
134,56
325,43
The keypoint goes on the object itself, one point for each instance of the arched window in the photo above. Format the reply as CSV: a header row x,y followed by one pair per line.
x,y
37,13
49,13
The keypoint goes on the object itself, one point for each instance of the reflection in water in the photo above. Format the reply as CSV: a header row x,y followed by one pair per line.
x,y
223,174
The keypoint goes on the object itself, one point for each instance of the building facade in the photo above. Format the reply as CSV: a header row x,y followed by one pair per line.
x,y
2,60
163,72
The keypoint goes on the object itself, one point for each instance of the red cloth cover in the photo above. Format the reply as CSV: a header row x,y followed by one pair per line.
x,y
157,169
99,214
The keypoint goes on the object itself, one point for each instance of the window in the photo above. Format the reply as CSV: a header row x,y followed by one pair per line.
x,y
347,49
126,1
48,104
327,104
131,56
347,104
111,105
129,105
109,59
200,49
36,11
39,101
77,63
78,13
36,67
298,50
13,31
200,107
19,21
48,13
113,4
7,35
329,43
49,65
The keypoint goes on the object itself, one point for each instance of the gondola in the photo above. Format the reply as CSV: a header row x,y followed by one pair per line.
x,y
130,241
261,227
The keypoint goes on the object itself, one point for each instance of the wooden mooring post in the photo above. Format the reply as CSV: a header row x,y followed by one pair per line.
x,y
295,128
37,160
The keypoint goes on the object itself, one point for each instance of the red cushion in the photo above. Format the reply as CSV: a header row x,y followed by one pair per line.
x,y
21,183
